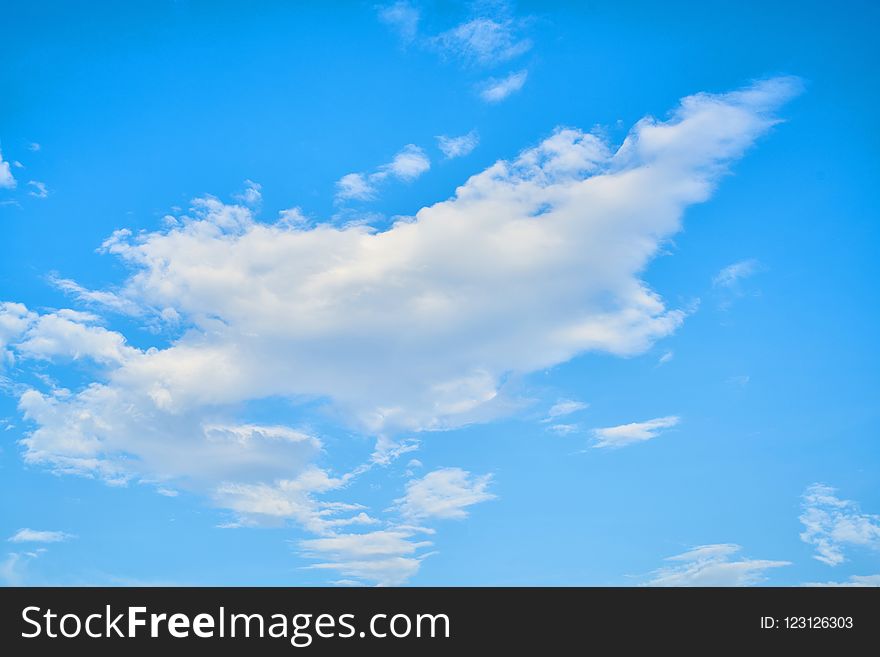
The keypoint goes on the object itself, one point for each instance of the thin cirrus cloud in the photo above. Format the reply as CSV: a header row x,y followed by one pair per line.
x,y
14,569
728,281
634,432
564,407
453,147
39,536
483,41
665,358
533,261
407,164
391,555
730,276
833,525
38,189
100,298
854,581
387,557
713,565
496,90
403,17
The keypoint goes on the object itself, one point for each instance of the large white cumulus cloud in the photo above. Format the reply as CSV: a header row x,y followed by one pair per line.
x,y
530,263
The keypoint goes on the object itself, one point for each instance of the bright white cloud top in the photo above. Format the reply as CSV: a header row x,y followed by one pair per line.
x,y
415,328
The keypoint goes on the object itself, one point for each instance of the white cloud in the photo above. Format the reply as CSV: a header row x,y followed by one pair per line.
x,y
39,189
665,358
109,300
731,275
13,569
489,37
34,147
251,194
347,582
382,542
453,147
117,433
15,318
292,217
7,180
853,582
354,185
410,163
496,90
444,493
728,281
72,334
403,17
388,449
412,466
387,557
832,525
268,503
407,164
531,262
564,407
38,536
713,565
484,41
634,432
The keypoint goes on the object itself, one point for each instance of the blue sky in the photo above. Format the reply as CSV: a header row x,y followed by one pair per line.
x,y
420,293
